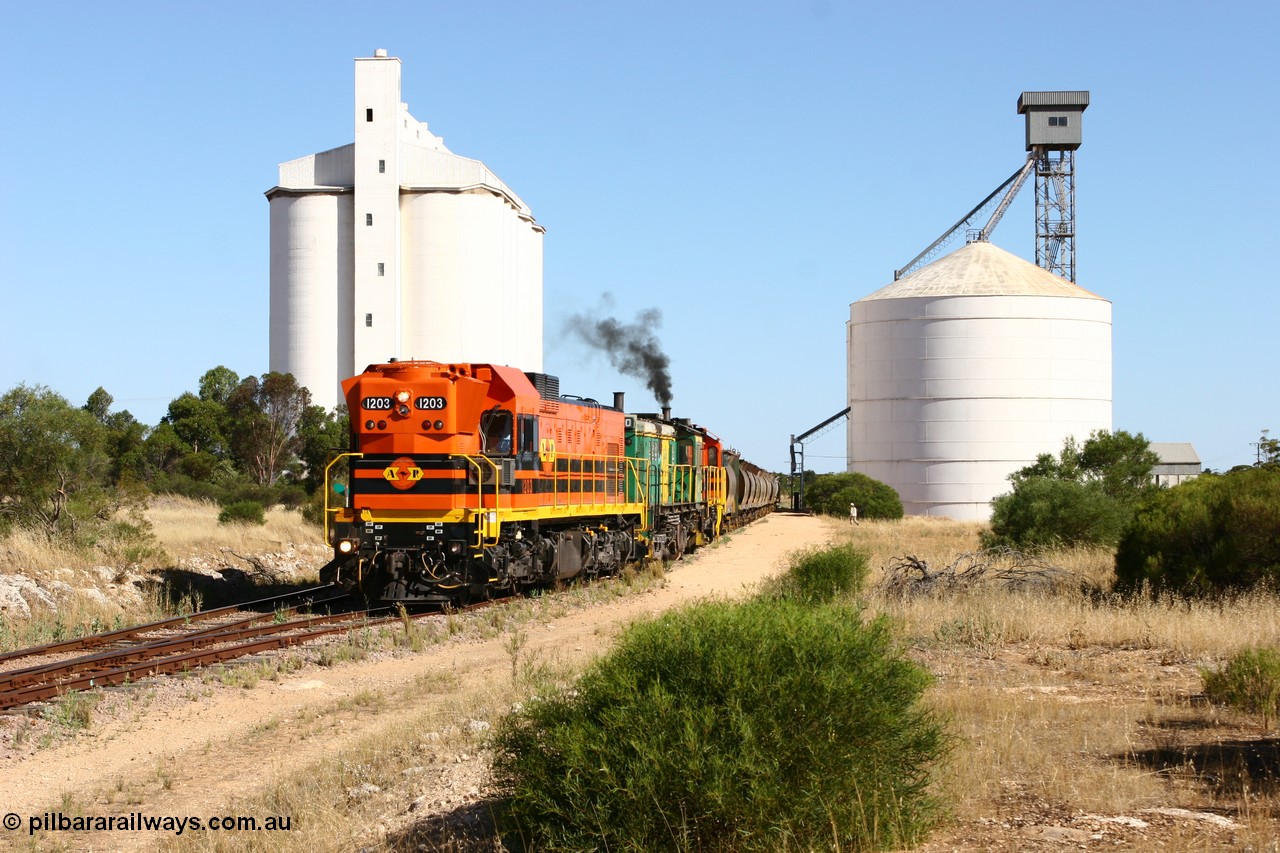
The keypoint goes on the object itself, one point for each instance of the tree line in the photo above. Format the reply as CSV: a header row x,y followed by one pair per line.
x,y
74,472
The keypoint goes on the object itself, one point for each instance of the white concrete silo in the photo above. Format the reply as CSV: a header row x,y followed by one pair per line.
x,y
396,247
966,370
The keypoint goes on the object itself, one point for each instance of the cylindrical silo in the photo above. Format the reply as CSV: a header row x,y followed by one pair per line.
x,y
311,289
472,274
966,370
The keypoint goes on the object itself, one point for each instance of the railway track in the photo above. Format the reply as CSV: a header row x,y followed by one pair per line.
x,y
170,645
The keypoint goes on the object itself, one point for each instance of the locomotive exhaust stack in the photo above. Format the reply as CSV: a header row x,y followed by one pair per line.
x,y
618,401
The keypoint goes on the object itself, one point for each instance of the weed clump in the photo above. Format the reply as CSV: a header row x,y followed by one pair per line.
x,y
243,512
821,575
1250,682
767,725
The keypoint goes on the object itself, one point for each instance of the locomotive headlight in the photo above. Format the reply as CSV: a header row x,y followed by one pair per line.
x,y
402,410
402,396
346,546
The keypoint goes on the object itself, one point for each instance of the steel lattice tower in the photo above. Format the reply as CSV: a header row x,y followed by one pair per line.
x,y
1056,213
1053,135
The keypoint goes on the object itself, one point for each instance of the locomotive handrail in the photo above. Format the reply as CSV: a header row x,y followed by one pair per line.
x,y
684,484
633,467
717,492
329,513
482,517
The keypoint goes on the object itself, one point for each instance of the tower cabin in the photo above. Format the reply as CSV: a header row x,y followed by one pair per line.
x,y
1053,119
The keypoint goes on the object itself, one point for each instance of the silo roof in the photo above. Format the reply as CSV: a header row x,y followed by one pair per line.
x,y
981,269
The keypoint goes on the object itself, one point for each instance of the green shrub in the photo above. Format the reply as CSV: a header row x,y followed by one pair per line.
x,y
313,509
767,725
1042,513
831,494
1210,535
243,512
199,465
1085,495
1250,682
820,575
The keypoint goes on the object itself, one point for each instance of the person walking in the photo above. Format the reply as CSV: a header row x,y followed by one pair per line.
x,y
853,514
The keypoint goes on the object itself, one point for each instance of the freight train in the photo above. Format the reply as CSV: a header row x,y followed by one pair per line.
x,y
470,480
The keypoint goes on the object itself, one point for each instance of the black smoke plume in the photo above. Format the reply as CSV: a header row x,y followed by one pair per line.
x,y
633,348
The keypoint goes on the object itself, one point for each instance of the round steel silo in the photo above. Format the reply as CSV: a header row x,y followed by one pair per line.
x,y
967,370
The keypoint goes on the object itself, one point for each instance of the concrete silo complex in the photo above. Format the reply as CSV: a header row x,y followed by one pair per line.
x,y
395,247
967,369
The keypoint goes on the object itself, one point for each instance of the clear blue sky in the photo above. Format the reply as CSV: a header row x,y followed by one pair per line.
x,y
749,168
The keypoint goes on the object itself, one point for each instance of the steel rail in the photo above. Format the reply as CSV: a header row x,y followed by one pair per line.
x,y
189,660
227,632
124,633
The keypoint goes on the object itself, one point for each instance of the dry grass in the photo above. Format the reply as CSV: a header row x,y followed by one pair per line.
x,y
29,553
1186,631
182,527
1072,704
96,590
188,528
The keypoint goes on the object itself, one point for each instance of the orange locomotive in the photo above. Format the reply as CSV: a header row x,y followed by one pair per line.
x,y
468,479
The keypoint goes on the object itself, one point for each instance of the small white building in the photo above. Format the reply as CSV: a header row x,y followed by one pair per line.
x,y
966,370
1178,463
395,247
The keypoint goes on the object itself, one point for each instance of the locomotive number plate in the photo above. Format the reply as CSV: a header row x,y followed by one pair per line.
x,y
430,404
377,404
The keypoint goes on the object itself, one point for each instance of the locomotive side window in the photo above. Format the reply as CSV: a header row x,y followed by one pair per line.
x,y
496,432
528,444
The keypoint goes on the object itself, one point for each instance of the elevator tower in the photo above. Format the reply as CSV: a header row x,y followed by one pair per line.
x,y
1053,135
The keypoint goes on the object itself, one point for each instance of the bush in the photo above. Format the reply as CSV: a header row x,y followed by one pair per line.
x,y
243,512
831,494
1211,535
1250,682
1083,496
181,484
767,725
821,575
1042,513
313,509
